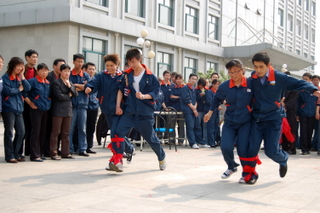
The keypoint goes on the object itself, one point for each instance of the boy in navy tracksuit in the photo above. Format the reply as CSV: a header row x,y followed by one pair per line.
x,y
268,89
175,99
237,93
79,105
166,87
306,111
189,109
140,91
201,93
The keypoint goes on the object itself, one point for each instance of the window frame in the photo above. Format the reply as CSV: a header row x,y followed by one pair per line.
x,y
188,13
216,27
281,17
169,65
101,66
194,69
142,8
171,12
104,3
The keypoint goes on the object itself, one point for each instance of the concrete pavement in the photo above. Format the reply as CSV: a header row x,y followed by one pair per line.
x,y
191,183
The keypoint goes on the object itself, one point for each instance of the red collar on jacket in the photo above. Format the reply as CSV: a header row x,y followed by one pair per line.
x,y
243,82
271,76
190,86
73,72
176,86
12,77
148,72
213,90
163,83
118,72
42,81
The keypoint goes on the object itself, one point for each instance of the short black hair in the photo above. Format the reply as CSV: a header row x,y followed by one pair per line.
x,y
165,72
315,76
215,81
78,55
307,74
215,73
30,52
133,53
261,56
192,74
42,66
86,65
202,82
55,62
287,73
178,76
234,63
65,66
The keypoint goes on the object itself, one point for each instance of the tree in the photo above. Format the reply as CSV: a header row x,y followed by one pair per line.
x,y
222,75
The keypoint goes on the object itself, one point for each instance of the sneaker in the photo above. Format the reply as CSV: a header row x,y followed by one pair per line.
x,y
116,167
109,168
195,146
228,173
242,180
205,146
162,164
129,155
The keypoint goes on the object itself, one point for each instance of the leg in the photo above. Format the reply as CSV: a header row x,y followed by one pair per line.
x,y
190,121
8,121
81,124
227,145
91,126
65,142
72,127
55,132
303,134
19,134
36,117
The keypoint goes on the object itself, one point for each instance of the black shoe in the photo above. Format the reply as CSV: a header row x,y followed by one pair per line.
x,y
252,180
83,154
43,158
283,170
304,153
129,156
291,152
90,151
37,160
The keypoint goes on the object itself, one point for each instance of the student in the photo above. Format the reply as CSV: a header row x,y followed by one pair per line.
x,y
55,73
31,57
39,101
268,88
237,94
107,83
175,99
316,139
140,90
14,84
189,109
166,87
213,122
79,106
201,92
92,111
306,115
1,83
62,92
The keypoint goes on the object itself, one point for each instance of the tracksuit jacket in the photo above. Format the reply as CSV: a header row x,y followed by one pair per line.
x,y
40,93
12,98
82,100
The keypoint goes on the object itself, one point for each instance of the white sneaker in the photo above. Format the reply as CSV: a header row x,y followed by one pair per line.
x,y
162,164
228,173
195,146
242,180
206,146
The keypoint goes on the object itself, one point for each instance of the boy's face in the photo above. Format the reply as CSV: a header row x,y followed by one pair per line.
x,y
78,63
306,78
261,68
133,63
193,80
91,70
315,82
57,67
214,77
33,59
167,76
43,73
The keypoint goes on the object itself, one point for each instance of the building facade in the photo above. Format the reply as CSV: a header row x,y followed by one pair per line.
x,y
186,35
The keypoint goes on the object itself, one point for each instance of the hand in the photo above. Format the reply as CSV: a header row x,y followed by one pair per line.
x,y
298,118
195,112
33,106
88,90
68,84
317,116
316,93
21,88
119,111
139,95
21,74
207,117
202,94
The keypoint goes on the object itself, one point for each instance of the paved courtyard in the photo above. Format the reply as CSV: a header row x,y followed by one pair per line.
x,y
191,183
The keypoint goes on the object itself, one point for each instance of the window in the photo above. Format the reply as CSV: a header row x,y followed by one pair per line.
x,y
313,8
280,13
191,20
306,32
305,55
213,66
166,12
299,2
290,23
298,52
190,66
298,28
135,7
306,5
313,35
100,2
93,51
164,62
213,27
312,66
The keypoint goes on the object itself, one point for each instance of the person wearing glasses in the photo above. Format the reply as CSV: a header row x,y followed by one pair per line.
x,y
237,95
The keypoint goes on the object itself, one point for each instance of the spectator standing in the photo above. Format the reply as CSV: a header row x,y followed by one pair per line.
x,y
14,84
79,106
39,101
62,92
